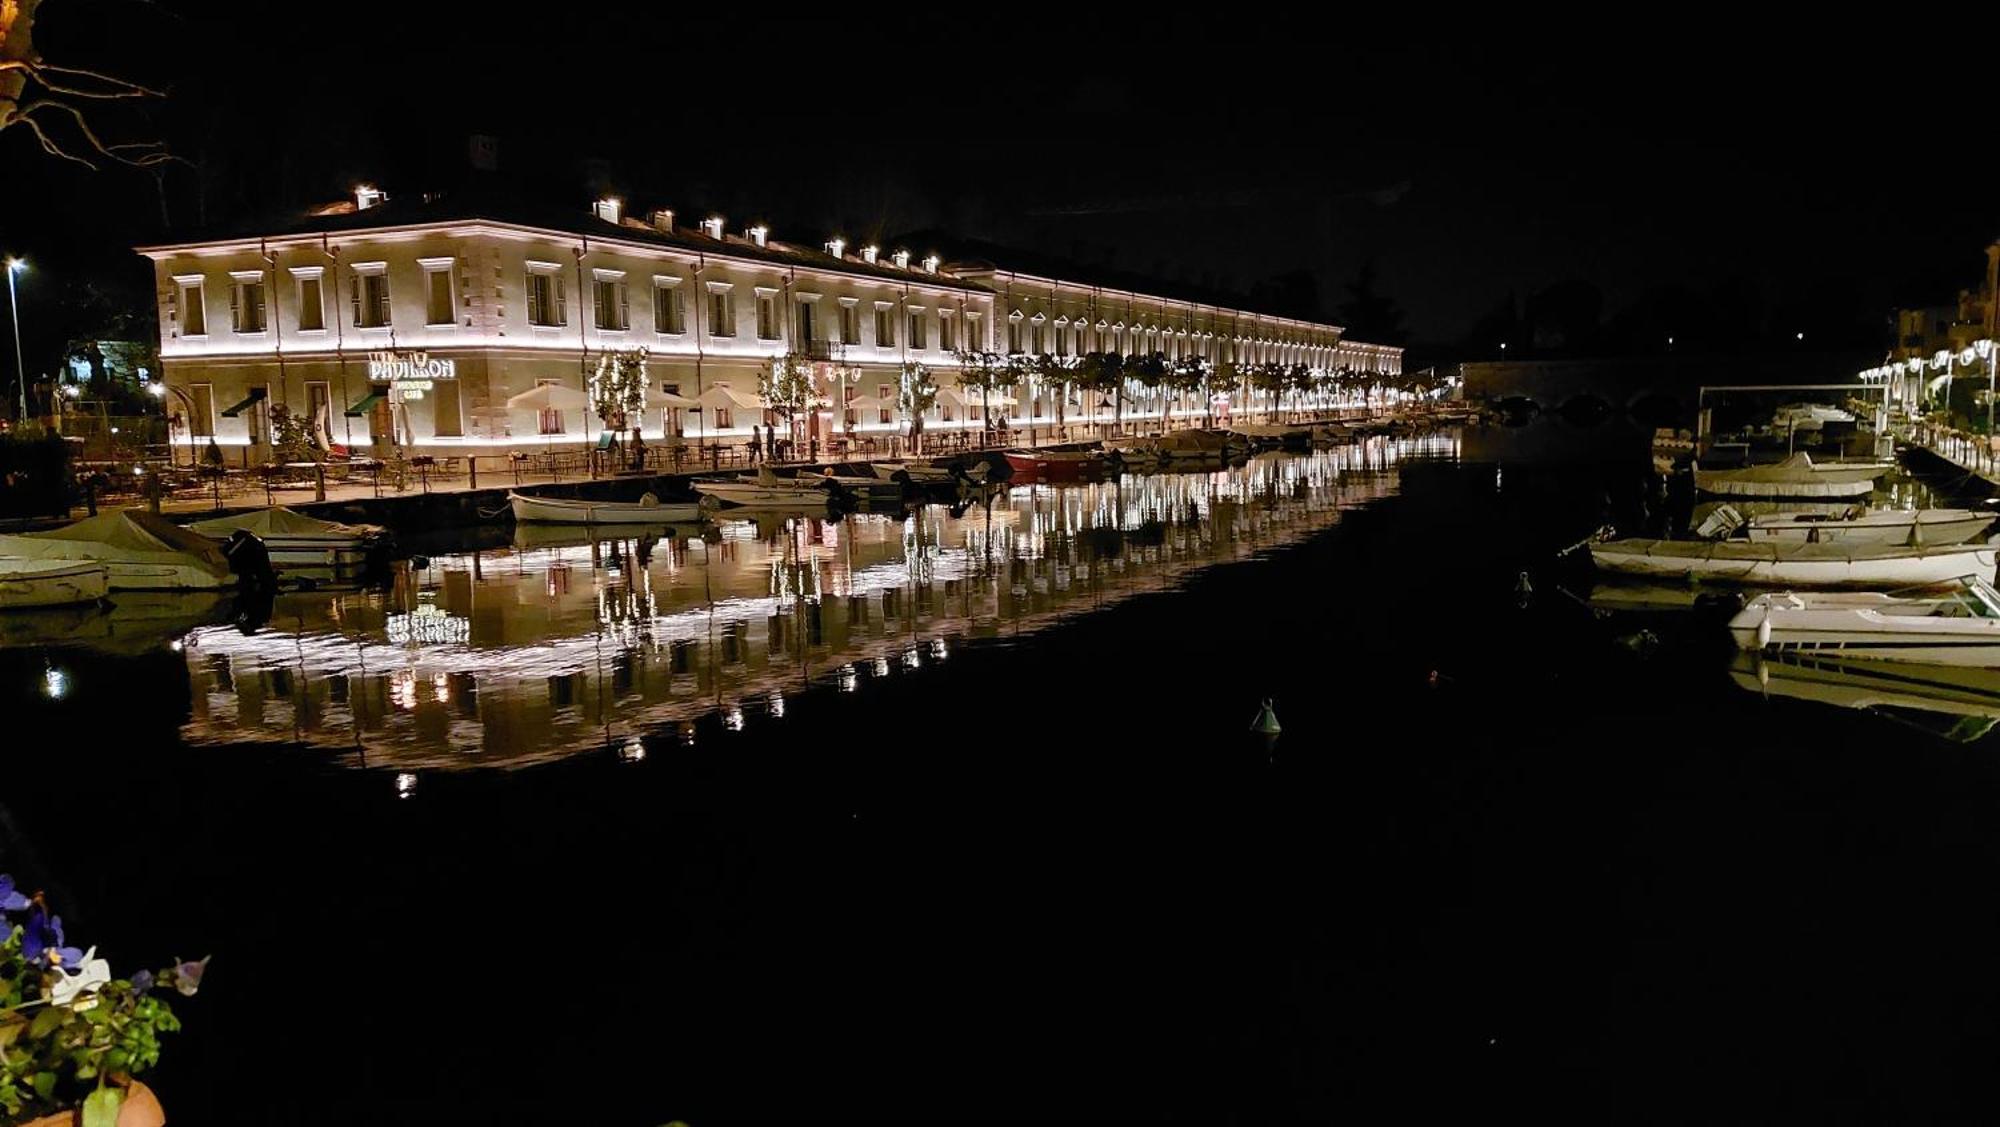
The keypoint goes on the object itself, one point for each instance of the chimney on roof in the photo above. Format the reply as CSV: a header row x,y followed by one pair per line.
x,y
869,252
663,221
610,209
758,234
902,259
931,263
367,196
712,227
836,246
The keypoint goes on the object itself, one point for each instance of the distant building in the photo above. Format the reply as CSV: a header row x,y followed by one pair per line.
x,y
430,324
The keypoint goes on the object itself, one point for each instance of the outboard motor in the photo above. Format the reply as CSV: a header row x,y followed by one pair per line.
x,y
251,562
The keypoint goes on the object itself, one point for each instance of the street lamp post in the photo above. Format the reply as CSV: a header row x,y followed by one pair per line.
x,y
15,266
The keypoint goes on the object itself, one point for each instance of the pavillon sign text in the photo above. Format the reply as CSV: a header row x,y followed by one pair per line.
x,y
409,374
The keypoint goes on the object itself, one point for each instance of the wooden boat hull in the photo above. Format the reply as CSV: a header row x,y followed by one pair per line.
x,y
31,584
1800,565
562,510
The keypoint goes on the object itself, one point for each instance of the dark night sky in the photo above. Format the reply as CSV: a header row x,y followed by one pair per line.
x,y
1466,172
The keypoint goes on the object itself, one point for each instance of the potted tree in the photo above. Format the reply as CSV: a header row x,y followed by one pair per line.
x,y
618,390
74,1038
916,395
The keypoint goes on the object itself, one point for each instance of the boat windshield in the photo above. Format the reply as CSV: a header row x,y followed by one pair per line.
x,y
1974,597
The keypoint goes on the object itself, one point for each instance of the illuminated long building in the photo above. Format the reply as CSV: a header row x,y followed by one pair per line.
x,y
432,324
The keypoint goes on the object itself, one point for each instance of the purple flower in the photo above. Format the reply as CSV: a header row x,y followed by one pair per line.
x,y
187,976
10,899
142,983
42,941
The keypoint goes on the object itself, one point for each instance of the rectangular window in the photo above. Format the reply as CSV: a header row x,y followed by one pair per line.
x,y
807,328
1062,340
723,419
885,327
438,309
767,316
194,312
973,342
721,314
850,324
947,340
312,306
201,419
371,299
548,305
1013,336
612,312
917,329
246,305
668,313
446,418
1035,339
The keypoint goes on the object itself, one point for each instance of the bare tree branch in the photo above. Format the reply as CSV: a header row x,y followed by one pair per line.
x,y
138,155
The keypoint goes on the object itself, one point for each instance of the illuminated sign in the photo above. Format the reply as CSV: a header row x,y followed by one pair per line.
x,y
409,369
428,625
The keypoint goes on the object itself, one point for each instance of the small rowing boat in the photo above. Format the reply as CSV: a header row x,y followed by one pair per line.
x,y
1883,527
562,510
767,490
1777,563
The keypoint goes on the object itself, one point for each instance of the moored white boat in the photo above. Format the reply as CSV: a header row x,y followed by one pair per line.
x,y
765,489
1883,527
1776,563
140,551
26,584
1956,623
1796,476
296,540
647,510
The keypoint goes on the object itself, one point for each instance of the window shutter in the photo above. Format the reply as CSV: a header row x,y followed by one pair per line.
x,y
624,307
562,302
355,296
382,299
236,307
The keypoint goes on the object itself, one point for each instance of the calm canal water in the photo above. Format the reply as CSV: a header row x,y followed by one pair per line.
x,y
955,817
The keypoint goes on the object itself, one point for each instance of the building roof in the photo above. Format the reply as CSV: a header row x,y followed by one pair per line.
x,y
964,254
497,206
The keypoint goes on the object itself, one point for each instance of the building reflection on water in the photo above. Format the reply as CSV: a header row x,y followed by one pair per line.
x,y
563,643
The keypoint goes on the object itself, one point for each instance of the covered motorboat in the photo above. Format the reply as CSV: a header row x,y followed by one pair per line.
x,y
1796,476
296,540
1777,563
141,551
28,584
647,510
1957,623
1882,527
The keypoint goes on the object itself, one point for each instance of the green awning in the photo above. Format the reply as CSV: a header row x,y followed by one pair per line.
x,y
367,403
256,395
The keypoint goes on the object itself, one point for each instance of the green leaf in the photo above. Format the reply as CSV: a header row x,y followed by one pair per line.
x,y
100,1108
45,1084
45,1022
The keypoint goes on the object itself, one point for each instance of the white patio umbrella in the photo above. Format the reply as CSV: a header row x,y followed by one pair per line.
x,y
549,397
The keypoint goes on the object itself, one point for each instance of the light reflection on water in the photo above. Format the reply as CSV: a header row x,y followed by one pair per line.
x,y
563,643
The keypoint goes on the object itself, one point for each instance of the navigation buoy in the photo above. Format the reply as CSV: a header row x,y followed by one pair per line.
x,y
1764,631
1524,591
1266,723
